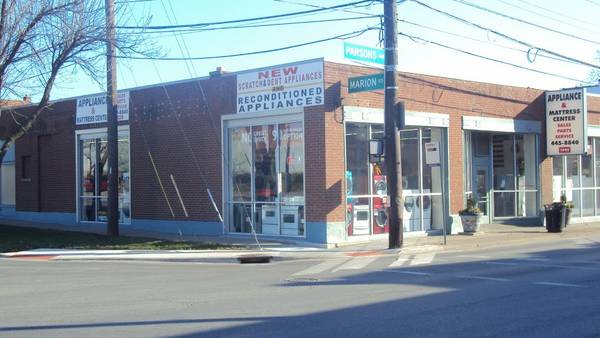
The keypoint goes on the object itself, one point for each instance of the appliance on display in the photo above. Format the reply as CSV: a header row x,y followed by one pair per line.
x,y
379,212
411,219
360,223
290,220
380,184
270,219
426,200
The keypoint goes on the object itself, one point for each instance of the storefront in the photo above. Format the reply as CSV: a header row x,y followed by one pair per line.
x,y
424,172
92,176
264,174
501,162
290,157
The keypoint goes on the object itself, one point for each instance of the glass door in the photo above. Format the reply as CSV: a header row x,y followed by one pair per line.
x,y
480,173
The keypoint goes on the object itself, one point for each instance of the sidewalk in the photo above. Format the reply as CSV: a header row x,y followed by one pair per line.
x,y
491,236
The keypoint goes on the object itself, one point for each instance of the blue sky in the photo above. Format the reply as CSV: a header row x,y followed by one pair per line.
x,y
576,17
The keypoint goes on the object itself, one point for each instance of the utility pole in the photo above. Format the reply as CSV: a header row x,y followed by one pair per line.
x,y
112,227
394,120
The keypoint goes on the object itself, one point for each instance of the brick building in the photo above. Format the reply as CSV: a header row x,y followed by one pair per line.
x,y
283,151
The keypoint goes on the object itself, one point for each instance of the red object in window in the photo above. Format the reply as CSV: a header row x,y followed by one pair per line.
x,y
88,184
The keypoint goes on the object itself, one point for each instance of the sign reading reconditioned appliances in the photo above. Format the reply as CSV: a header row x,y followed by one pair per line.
x,y
566,121
92,109
284,87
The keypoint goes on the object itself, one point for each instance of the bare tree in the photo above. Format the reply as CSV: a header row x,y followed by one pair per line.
x,y
42,39
594,75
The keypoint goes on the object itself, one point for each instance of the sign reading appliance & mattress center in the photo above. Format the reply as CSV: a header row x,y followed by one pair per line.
x,y
283,87
92,109
566,122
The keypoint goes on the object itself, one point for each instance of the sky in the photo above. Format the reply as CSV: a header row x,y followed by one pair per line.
x,y
578,18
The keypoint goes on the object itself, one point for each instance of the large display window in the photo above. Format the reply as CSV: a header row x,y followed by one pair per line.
x,y
92,176
423,162
265,178
577,177
502,174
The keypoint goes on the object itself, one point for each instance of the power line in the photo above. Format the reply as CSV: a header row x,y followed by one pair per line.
x,y
524,21
532,47
353,4
341,36
570,23
483,41
199,30
414,38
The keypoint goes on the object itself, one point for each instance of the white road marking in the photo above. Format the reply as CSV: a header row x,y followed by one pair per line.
x,y
409,272
356,263
533,259
422,259
398,262
499,263
559,284
474,256
485,278
323,266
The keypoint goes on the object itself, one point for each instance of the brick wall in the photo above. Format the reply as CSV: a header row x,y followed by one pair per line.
x,y
50,149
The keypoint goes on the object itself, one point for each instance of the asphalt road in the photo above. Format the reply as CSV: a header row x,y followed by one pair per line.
x,y
546,290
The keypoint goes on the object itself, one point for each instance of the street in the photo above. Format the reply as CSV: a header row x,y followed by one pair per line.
x,y
548,289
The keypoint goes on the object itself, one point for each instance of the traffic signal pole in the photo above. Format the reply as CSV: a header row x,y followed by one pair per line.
x,y
394,120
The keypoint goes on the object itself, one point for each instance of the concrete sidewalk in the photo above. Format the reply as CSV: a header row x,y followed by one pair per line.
x,y
491,236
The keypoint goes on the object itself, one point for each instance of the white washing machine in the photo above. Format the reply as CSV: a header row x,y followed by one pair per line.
x,y
360,225
290,220
269,219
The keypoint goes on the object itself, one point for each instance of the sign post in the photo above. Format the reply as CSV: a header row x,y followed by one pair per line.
x,y
566,122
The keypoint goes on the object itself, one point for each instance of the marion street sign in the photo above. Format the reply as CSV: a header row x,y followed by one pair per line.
x,y
365,83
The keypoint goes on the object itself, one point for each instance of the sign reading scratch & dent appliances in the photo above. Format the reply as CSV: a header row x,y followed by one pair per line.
x,y
283,87
92,109
566,121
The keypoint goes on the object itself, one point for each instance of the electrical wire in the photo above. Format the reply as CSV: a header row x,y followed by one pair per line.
x,y
531,46
204,24
337,37
412,37
571,22
199,30
470,4
483,41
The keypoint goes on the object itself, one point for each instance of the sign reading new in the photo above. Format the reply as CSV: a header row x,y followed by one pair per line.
x,y
92,109
282,87
566,120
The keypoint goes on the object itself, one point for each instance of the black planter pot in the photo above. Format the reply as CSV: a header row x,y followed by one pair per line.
x,y
556,217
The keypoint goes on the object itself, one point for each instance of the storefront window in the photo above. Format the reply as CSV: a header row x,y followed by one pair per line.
x,y
422,178
505,173
93,183
266,179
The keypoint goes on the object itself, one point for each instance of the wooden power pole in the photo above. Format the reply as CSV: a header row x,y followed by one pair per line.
x,y
111,109
394,120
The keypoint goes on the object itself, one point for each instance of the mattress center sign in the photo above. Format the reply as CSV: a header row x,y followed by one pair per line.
x,y
284,87
92,109
566,122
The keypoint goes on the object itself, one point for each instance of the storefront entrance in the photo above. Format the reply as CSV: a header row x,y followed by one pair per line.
x,y
502,174
264,176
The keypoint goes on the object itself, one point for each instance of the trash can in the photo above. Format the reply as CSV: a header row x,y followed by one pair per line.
x,y
555,217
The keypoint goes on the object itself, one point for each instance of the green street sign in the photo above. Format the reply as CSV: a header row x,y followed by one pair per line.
x,y
365,83
364,53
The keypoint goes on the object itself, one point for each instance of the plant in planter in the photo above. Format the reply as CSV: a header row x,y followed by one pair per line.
x,y
470,216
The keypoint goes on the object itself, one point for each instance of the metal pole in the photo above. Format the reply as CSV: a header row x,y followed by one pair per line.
x,y
111,107
392,136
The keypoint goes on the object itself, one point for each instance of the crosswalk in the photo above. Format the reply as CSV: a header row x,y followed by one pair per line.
x,y
359,263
